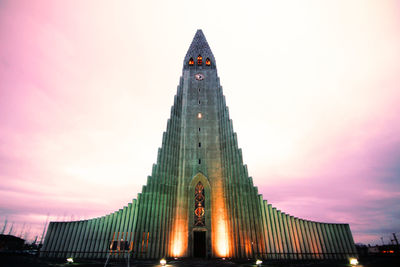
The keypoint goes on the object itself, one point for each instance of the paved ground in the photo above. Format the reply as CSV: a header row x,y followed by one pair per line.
x,y
32,261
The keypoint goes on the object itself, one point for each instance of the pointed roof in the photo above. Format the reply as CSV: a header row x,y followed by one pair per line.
x,y
199,46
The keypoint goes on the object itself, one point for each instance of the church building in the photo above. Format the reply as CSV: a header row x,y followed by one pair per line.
x,y
199,200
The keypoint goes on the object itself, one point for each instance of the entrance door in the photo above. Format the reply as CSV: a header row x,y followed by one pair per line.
x,y
199,244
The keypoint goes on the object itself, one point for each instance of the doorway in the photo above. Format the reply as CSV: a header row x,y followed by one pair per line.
x,y
199,244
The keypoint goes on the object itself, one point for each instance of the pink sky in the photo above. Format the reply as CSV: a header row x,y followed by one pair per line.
x,y
312,87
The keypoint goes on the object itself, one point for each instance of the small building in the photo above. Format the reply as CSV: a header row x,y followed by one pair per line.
x,y
11,243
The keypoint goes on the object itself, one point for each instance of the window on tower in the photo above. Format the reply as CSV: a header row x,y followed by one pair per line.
x,y
208,62
191,62
199,60
199,212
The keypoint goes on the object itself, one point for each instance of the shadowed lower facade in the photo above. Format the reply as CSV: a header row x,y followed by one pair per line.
x,y
199,200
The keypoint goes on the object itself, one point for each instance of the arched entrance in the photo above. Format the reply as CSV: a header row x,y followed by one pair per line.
x,y
199,203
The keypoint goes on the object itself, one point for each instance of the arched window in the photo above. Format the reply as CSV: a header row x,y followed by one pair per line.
x,y
208,62
199,219
199,60
191,62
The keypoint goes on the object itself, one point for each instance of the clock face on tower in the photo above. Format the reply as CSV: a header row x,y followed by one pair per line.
x,y
199,76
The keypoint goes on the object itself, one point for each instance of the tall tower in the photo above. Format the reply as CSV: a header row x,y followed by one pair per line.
x,y
199,200
195,140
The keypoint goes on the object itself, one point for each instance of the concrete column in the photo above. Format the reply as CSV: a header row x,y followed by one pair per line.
x,y
290,236
49,234
60,241
296,243
282,234
121,231
308,238
50,238
73,236
109,235
99,238
154,245
321,240
269,234
66,240
338,240
140,227
78,235
328,241
275,241
332,240
342,241
84,228
264,223
117,230
317,240
306,241
345,242
350,237
278,234
58,232
301,240
87,240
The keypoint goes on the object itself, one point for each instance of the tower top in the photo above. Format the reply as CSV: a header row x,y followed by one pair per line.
x,y
199,47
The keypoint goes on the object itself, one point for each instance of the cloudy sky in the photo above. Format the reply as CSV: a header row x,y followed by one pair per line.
x,y
313,89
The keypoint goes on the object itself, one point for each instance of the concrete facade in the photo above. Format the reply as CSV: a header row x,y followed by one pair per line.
x,y
199,146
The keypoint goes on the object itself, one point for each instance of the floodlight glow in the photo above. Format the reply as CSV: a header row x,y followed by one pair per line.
x,y
163,262
70,260
258,262
353,261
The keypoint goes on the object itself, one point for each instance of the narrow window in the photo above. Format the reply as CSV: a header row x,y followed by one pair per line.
x,y
199,197
199,60
199,144
199,115
199,129
199,161
208,62
191,62
199,102
199,90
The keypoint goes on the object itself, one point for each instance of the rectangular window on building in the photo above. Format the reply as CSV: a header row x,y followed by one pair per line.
x,y
199,161
199,144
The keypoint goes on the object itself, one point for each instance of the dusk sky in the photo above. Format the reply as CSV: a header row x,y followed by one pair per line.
x,y
313,89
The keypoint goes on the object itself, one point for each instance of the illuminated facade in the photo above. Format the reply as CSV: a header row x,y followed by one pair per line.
x,y
199,200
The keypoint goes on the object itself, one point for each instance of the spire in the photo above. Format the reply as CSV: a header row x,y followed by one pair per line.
x,y
199,46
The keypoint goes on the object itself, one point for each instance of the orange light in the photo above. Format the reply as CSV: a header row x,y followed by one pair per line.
x,y
220,232
208,62
199,60
177,243
222,239
191,62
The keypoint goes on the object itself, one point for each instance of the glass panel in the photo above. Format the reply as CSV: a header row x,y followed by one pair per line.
x,y
199,219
